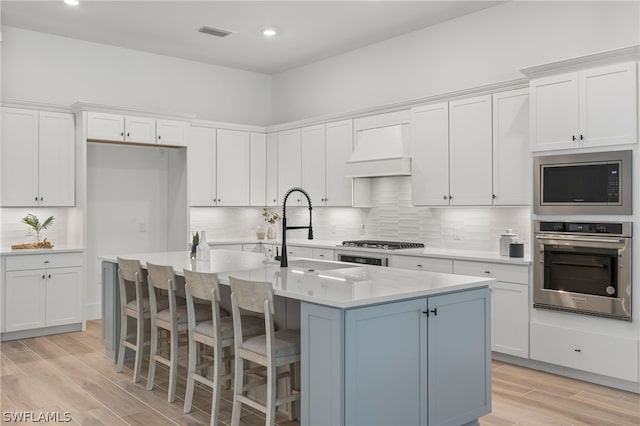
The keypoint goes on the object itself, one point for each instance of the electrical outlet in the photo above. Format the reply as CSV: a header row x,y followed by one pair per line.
x,y
457,233
143,227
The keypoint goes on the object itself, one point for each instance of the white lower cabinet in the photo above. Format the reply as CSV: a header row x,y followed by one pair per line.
x,y
235,247
298,251
427,358
322,253
510,304
596,353
418,263
42,291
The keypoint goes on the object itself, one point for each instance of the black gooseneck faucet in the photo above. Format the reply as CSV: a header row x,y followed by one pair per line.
x,y
283,258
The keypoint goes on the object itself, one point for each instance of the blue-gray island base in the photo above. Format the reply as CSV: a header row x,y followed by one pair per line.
x,y
380,346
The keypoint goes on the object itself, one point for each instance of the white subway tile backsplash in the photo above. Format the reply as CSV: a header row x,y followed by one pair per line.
x,y
391,216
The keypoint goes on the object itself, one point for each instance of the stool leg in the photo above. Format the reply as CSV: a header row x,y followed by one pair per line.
x,y
217,373
272,389
123,337
137,366
291,385
152,356
237,390
193,358
173,366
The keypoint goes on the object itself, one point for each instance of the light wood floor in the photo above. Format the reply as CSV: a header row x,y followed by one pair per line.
x,y
68,372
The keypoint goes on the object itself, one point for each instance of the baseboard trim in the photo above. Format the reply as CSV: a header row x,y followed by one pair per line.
x,y
25,334
569,372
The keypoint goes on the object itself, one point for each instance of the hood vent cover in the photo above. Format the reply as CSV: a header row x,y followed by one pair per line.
x,y
381,151
214,31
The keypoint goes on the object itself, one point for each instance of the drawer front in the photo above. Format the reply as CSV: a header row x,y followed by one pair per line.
x,y
322,253
428,264
297,251
39,261
254,248
498,271
596,353
236,247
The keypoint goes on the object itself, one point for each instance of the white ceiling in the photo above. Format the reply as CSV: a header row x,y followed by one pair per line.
x,y
309,30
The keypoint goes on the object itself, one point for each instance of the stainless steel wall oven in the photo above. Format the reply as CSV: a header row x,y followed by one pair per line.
x,y
583,267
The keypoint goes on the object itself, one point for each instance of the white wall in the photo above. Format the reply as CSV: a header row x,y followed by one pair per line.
x,y
486,47
127,199
48,68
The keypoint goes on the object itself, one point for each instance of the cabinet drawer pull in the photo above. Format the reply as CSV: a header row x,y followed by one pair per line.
x,y
46,261
487,272
573,138
321,255
577,350
419,266
433,311
445,197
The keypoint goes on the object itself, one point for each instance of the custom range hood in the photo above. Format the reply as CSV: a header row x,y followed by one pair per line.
x,y
381,147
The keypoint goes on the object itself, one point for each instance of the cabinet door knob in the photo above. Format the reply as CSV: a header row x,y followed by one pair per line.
x,y
43,276
573,138
36,198
494,196
41,198
128,134
121,133
445,197
49,276
581,137
159,137
451,197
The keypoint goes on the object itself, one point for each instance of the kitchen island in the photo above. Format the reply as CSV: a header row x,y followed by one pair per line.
x,y
379,345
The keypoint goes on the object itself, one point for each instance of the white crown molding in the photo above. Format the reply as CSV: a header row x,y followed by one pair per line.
x,y
629,53
41,106
404,105
229,126
115,109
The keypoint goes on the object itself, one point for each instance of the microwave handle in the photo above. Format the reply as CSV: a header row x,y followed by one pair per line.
x,y
588,240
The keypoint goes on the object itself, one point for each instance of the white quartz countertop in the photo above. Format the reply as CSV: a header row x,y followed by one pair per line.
x,y
336,284
472,255
7,251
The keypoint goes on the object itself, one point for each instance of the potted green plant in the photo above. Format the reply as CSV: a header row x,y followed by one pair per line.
x,y
35,224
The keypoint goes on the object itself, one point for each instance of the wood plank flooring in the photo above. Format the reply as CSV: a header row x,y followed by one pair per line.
x,y
68,373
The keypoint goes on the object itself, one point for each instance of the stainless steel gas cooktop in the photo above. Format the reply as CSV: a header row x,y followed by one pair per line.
x,y
384,245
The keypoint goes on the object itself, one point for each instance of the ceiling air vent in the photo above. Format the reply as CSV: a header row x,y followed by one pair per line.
x,y
214,31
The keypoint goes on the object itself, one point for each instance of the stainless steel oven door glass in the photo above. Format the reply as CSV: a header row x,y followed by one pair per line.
x,y
589,273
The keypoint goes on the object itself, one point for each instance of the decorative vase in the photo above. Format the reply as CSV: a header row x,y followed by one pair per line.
x,y
260,232
203,251
271,232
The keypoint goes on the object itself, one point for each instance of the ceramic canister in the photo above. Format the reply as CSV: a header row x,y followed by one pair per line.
x,y
507,238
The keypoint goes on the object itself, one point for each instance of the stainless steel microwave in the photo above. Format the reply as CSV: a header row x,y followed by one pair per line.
x,y
593,183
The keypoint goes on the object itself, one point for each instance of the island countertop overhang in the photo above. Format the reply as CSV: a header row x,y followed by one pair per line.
x,y
333,284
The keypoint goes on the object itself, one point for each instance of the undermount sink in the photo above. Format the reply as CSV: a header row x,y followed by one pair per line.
x,y
310,265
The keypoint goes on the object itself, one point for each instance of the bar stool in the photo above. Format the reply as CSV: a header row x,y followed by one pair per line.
x,y
134,303
172,319
271,350
215,333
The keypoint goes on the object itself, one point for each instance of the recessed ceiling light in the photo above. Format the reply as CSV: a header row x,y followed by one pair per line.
x,y
269,32
72,2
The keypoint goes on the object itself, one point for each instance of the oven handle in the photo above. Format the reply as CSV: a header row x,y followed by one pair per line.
x,y
584,265
564,238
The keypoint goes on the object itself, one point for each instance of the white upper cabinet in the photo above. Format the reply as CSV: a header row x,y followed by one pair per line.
x,y
339,144
37,158
314,163
232,167
430,152
132,129
201,160
139,129
114,127
289,165
108,127
511,156
258,169
470,151
173,133
594,107
272,170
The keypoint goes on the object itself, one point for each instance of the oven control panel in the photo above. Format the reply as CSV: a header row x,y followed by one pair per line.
x,y
612,228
